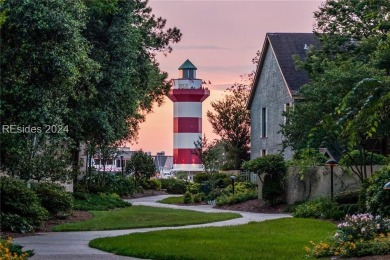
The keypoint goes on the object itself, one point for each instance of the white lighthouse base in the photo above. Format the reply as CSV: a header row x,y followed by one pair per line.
x,y
188,168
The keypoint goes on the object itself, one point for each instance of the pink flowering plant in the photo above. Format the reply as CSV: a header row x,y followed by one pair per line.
x,y
362,227
358,235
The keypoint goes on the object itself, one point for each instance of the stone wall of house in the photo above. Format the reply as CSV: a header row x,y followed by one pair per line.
x,y
273,94
316,182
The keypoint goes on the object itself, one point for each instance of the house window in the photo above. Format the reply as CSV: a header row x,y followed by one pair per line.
x,y
97,161
287,108
264,122
118,163
263,152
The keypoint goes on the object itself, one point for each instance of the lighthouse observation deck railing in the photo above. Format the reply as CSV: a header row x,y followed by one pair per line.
x,y
187,84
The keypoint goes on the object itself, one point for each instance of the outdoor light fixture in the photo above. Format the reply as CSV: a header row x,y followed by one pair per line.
x,y
387,186
331,162
233,178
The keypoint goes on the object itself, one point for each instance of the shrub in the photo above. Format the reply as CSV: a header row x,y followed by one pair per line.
x,y
121,185
187,198
377,199
236,198
99,182
20,207
274,168
194,188
101,201
151,184
174,186
8,250
54,198
201,177
322,208
272,189
347,197
349,209
359,235
199,197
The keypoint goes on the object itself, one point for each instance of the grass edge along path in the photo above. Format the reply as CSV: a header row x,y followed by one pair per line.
x,y
283,238
172,200
143,217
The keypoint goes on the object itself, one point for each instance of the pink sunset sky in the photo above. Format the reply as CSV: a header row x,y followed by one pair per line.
x,y
220,38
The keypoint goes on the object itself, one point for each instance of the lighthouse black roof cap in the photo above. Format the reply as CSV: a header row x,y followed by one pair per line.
x,y
187,65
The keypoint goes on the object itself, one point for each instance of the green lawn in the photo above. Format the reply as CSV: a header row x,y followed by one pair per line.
x,y
273,239
142,217
172,200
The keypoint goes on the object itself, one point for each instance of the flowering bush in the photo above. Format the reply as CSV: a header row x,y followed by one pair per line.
x,y
359,235
10,251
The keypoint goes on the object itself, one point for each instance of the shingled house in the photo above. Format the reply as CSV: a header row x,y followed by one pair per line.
x,y
275,89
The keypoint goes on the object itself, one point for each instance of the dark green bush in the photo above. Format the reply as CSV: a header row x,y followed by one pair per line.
x,y
151,184
199,197
217,180
187,198
377,199
174,186
194,188
322,208
20,207
272,188
236,198
99,182
348,209
347,197
54,198
101,201
201,177
272,168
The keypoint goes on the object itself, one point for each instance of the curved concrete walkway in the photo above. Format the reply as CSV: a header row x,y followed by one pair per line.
x,y
74,245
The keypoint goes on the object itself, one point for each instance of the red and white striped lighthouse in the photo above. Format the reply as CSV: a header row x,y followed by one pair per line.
x,y
187,95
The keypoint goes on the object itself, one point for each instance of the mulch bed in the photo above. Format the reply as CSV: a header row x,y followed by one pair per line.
x,y
146,193
255,206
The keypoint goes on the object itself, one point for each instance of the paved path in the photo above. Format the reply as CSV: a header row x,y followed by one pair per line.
x,y
74,245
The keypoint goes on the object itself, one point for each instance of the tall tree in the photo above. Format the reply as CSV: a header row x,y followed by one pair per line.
x,y
230,120
211,154
348,73
86,65
140,166
44,58
125,37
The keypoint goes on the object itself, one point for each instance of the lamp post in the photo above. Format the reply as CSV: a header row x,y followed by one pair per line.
x,y
331,163
233,178
122,165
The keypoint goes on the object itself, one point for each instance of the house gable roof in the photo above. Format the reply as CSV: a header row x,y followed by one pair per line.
x,y
285,46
